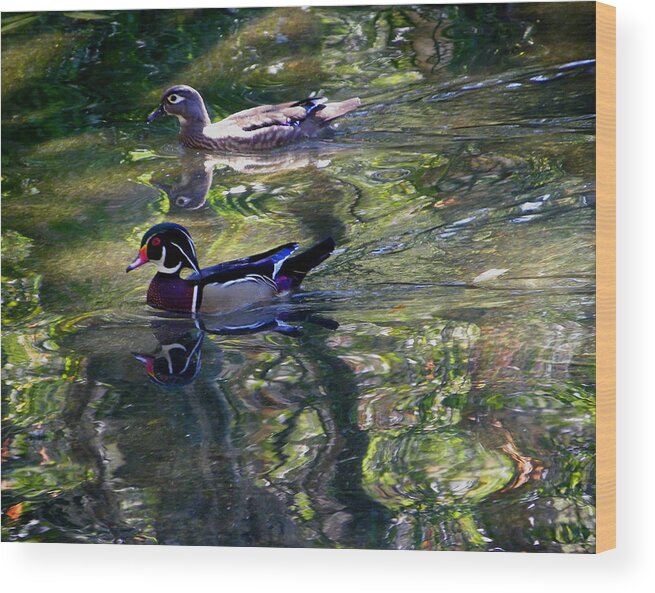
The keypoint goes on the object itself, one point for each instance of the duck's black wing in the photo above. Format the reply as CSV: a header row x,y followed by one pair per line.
x,y
265,264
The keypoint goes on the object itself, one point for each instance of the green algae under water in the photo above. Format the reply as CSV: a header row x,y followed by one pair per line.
x,y
454,406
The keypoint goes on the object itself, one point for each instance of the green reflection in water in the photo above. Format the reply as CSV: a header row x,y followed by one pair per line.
x,y
453,407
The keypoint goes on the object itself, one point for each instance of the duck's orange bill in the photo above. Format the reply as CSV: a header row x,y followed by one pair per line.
x,y
141,259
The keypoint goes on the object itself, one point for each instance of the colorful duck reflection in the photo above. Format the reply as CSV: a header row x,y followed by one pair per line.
x,y
177,360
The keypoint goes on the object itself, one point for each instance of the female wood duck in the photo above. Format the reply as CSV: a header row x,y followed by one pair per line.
x,y
224,287
259,128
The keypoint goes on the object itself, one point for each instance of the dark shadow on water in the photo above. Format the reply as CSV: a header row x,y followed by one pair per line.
x,y
178,446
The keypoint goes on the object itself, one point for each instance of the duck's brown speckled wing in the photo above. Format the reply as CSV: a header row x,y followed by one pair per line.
x,y
282,114
270,126
227,135
266,126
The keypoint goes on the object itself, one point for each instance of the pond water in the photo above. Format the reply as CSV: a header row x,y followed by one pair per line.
x,y
438,390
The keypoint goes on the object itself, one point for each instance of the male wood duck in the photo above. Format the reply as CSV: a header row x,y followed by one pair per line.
x,y
224,287
259,128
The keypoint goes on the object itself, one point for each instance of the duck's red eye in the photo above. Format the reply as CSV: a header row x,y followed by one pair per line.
x,y
155,241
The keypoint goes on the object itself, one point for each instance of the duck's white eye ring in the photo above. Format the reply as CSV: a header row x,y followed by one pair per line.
x,y
175,99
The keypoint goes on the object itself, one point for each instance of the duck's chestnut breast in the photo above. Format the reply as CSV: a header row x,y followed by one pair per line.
x,y
171,293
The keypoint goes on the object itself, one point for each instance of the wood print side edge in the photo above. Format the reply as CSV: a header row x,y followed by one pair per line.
x,y
605,277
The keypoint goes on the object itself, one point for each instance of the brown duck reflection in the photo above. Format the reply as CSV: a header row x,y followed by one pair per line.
x,y
189,183
189,191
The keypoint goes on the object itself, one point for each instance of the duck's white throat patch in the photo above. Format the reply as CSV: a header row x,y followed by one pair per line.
x,y
161,266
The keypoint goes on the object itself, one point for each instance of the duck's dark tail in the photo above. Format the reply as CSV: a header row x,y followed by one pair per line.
x,y
294,269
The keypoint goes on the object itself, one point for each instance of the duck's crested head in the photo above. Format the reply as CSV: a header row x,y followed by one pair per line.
x,y
180,92
183,102
169,246
167,231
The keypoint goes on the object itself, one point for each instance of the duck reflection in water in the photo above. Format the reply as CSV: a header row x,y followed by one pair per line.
x,y
189,191
188,184
176,361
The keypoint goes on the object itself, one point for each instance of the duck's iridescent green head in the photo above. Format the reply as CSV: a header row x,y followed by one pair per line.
x,y
169,246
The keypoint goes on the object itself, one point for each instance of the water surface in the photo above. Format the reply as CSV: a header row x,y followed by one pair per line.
x,y
433,386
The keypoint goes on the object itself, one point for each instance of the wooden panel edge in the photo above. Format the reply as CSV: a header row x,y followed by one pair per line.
x,y
605,277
